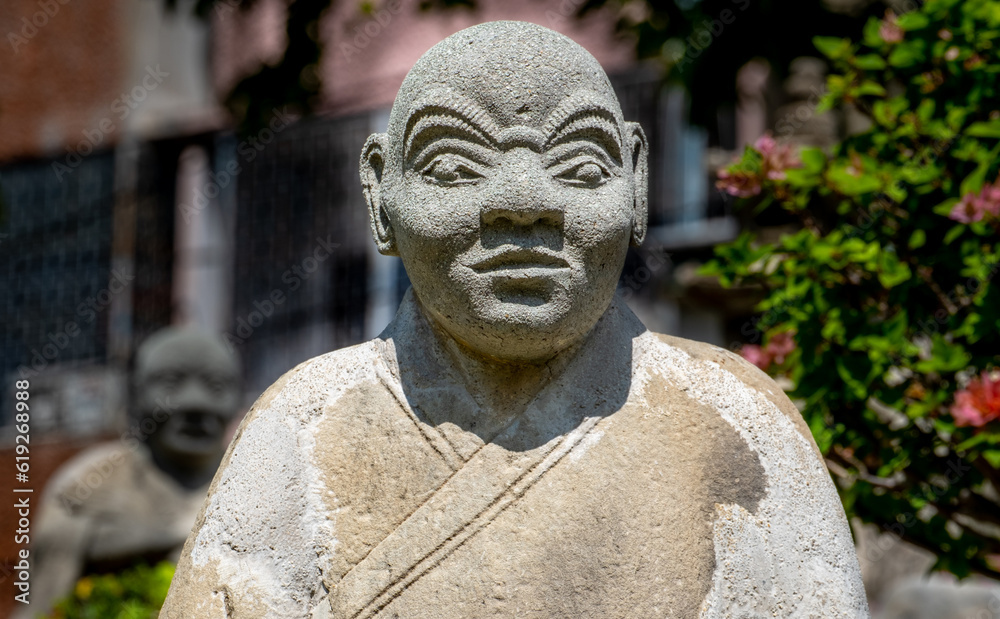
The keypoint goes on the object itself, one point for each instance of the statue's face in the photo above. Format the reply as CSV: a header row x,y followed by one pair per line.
x,y
511,197
188,386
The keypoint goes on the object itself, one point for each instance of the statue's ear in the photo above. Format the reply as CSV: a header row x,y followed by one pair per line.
x,y
639,150
372,174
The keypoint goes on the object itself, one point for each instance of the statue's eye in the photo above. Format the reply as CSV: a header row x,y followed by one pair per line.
x,y
169,380
583,172
450,169
215,384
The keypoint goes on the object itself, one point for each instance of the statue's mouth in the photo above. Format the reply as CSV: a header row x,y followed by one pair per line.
x,y
519,259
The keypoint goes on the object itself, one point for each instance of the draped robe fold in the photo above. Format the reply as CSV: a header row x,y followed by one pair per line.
x,y
650,477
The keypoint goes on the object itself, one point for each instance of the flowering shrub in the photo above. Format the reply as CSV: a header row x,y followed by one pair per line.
x,y
134,593
978,206
979,403
779,347
888,290
767,160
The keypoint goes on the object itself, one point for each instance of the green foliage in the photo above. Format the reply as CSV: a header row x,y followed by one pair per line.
x,y
135,593
890,287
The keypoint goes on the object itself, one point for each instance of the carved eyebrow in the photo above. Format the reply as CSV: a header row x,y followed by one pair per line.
x,y
453,113
593,123
432,126
443,112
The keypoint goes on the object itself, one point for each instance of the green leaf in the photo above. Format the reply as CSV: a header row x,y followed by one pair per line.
x,y
945,207
891,271
869,62
869,88
912,21
916,174
849,368
813,159
871,32
974,181
925,110
833,48
972,442
801,178
895,191
956,117
989,129
953,234
917,239
907,54
993,457
945,357
852,185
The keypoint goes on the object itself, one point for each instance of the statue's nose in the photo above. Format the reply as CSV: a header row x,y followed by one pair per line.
x,y
522,195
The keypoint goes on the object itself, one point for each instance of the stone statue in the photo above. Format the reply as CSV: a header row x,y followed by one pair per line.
x,y
136,499
516,443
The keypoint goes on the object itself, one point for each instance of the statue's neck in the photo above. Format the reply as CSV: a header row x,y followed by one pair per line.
x,y
502,389
450,384
188,471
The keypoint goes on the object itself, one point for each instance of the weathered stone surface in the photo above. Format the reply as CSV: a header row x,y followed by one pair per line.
x,y
516,443
136,499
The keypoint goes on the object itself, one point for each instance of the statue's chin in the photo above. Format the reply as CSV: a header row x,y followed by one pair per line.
x,y
182,448
520,333
515,323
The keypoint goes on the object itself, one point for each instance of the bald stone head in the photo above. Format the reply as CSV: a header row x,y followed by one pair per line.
x,y
186,392
511,186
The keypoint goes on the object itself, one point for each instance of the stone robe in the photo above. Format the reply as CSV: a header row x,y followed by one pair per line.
x,y
651,477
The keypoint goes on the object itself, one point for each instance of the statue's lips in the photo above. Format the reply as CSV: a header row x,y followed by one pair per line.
x,y
519,260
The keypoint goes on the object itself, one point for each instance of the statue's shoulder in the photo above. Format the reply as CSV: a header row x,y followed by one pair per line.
x,y
301,396
91,473
305,389
703,361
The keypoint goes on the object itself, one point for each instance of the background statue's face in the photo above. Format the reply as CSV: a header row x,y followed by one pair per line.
x,y
509,188
187,383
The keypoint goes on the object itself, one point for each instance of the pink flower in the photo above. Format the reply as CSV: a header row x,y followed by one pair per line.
x,y
974,206
756,355
777,157
965,412
775,351
739,183
979,403
889,29
766,144
781,345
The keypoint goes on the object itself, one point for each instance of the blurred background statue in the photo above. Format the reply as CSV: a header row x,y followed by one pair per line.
x,y
134,501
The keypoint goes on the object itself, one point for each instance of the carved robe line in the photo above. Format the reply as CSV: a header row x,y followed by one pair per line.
x,y
489,482
438,442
